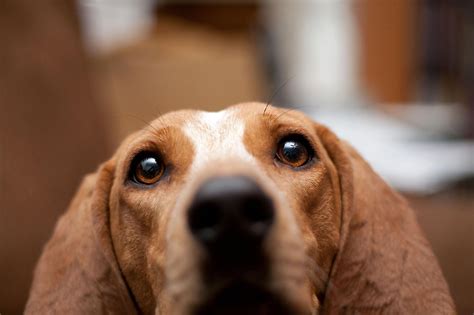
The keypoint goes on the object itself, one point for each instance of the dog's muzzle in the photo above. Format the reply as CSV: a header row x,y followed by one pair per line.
x,y
231,217
235,249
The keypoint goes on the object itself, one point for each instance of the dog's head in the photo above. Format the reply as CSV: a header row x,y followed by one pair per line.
x,y
251,210
234,210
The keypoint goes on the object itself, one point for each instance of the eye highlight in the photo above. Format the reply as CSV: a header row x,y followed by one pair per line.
x,y
146,168
294,150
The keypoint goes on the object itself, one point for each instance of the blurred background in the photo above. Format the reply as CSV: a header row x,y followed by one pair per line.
x,y
394,77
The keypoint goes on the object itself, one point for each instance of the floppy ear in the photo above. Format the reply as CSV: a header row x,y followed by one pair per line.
x,y
384,263
77,272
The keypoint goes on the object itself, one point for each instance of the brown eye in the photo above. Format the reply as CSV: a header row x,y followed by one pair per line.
x,y
294,151
147,168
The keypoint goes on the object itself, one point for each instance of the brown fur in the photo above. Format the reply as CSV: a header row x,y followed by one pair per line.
x,y
343,241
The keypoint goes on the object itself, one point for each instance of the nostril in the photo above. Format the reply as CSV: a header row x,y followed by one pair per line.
x,y
258,213
204,220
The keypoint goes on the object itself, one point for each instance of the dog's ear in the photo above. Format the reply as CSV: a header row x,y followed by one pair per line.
x,y
77,272
384,263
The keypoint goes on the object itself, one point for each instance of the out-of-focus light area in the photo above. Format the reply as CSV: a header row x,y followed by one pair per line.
x,y
390,77
393,77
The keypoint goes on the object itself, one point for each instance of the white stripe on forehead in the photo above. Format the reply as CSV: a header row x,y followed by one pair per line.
x,y
217,136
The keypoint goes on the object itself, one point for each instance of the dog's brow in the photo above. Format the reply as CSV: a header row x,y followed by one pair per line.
x,y
216,136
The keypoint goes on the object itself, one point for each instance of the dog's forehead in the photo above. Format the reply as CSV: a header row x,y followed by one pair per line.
x,y
217,135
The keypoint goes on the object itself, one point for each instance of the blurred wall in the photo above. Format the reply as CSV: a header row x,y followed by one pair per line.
x,y
51,133
388,48
201,57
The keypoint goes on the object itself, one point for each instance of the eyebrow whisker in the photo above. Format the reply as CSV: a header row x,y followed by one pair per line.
x,y
284,113
159,114
275,93
155,131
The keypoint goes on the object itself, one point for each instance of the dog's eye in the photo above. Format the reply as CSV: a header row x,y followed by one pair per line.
x,y
147,168
294,151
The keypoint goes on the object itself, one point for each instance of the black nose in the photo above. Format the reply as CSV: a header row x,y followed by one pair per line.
x,y
230,215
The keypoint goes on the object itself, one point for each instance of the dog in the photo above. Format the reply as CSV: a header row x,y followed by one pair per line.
x,y
250,210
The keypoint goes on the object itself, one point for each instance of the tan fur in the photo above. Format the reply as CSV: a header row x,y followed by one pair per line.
x,y
343,241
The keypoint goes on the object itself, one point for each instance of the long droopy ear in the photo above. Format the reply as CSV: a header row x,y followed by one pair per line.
x,y
77,272
384,263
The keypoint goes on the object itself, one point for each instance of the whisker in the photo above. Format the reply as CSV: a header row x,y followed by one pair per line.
x,y
275,93
284,113
143,121
159,114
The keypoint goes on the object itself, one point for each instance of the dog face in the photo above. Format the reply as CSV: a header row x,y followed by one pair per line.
x,y
252,210
210,210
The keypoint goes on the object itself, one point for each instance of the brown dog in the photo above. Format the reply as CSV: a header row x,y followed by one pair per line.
x,y
251,210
